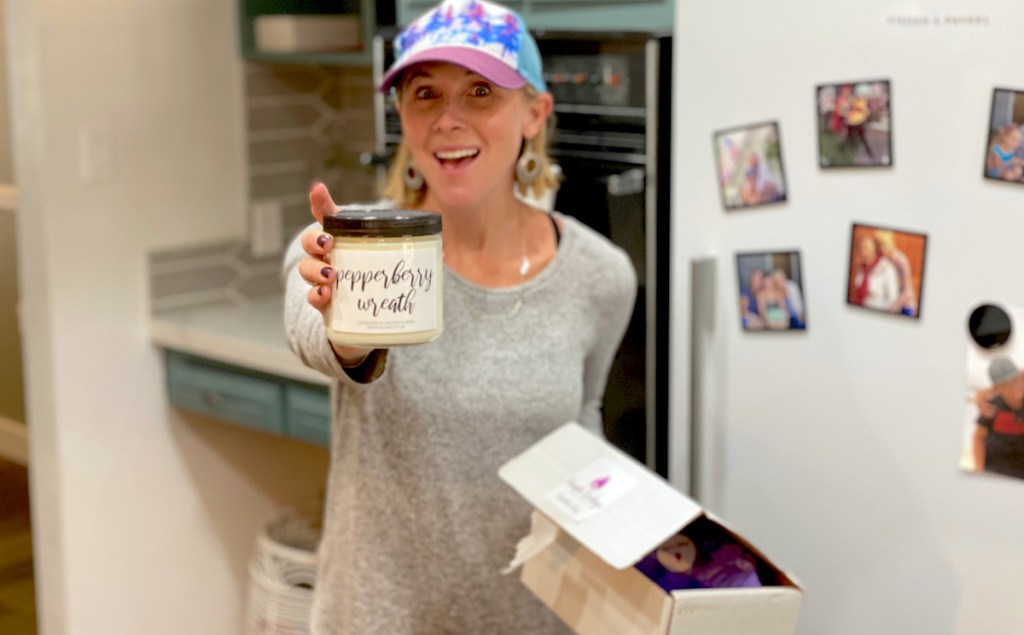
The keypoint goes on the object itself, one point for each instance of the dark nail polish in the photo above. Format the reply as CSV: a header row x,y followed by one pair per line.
x,y
322,239
319,290
326,272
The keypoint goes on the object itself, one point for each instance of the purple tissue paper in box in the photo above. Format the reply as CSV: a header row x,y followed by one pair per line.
x,y
700,557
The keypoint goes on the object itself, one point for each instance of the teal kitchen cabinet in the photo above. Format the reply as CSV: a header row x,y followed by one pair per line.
x,y
319,32
574,15
308,411
268,403
600,15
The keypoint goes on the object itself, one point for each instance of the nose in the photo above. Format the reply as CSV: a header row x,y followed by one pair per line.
x,y
450,116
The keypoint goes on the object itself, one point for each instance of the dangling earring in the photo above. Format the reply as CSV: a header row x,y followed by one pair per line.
x,y
528,166
413,177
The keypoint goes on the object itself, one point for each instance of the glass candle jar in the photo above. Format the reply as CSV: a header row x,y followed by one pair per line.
x,y
388,288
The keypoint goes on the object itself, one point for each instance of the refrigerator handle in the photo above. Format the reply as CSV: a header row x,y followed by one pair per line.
x,y
702,327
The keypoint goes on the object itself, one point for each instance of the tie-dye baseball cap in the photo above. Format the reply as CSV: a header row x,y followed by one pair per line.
x,y
484,37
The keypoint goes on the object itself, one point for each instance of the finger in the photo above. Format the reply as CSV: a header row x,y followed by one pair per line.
x,y
316,271
319,296
320,202
316,243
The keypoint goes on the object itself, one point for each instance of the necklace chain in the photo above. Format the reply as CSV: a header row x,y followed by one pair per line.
x,y
524,268
479,315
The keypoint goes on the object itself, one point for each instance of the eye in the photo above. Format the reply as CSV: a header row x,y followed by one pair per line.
x,y
425,92
480,90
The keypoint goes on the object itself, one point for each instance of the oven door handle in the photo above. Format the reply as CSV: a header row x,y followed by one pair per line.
x,y
626,183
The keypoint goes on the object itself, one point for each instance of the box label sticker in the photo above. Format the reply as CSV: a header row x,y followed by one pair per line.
x,y
590,490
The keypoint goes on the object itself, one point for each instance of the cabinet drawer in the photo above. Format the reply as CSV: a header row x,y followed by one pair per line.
x,y
225,393
309,413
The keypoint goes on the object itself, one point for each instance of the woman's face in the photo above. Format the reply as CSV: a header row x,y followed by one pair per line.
x,y
756,278
1013,138
868,251
465,132
780,282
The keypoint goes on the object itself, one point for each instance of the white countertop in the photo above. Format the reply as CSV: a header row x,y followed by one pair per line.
x,y
250,337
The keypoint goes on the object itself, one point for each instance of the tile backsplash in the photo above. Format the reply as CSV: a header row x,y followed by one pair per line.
x,y
306,123
213,273
303,123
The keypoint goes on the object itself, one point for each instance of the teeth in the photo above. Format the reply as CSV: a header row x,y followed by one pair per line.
x,y
456,154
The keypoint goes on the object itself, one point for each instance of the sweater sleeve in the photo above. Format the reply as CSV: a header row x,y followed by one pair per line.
x,y
615,308
305,331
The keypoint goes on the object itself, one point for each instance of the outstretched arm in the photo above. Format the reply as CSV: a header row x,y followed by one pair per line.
x,y
308,288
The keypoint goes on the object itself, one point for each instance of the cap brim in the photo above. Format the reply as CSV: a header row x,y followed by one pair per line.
x,y
487,66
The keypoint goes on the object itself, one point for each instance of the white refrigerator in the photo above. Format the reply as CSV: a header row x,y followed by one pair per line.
x,y
837,449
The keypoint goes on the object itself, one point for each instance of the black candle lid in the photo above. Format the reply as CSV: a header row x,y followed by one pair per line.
x,y
385,222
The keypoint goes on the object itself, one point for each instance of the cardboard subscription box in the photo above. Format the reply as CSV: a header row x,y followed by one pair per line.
x,y
597,513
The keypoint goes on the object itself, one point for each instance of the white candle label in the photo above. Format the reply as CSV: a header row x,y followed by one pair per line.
x,y
591,489
385,290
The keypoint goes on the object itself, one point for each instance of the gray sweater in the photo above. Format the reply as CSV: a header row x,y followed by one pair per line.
x,y
417,523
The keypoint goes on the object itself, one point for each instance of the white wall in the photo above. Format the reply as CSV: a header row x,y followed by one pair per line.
x,y
836,450
143,517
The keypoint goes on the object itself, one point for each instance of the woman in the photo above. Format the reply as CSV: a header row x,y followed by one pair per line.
x,y
794,300
417,525
752,320
856,113
759,184
876,282
772,304
1001,161
906,301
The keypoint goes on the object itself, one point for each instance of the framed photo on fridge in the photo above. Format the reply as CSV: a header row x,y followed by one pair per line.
x,y
749,166
771,291
1004,150
886,270
855,124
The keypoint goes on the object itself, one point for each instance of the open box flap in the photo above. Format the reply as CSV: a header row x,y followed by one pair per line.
x,y
599,495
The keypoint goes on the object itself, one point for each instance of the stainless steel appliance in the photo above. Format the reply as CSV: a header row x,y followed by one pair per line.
x,y
611,139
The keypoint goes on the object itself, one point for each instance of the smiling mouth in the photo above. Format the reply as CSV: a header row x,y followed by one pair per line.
x,y
453,158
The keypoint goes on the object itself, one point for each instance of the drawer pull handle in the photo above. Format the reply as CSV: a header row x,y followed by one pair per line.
x,y
213,399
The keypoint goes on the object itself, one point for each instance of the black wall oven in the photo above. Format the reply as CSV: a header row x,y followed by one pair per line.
x,y
611,140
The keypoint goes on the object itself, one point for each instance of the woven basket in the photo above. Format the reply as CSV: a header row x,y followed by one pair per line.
x,y
282,575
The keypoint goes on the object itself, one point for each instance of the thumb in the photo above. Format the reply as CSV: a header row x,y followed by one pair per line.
x,y
320,202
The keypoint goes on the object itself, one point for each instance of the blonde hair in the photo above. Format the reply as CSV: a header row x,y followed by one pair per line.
x,y
547,180
885,239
